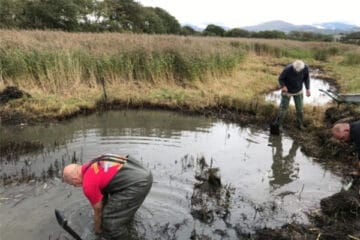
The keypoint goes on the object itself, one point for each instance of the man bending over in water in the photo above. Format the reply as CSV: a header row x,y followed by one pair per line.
x,y
115,186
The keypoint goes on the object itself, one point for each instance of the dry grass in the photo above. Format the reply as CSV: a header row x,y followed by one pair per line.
x,y
62,71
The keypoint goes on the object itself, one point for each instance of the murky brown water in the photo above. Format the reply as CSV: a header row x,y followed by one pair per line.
x,y
268,180
317,97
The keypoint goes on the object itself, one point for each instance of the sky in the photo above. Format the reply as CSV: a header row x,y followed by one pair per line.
x,y
241,13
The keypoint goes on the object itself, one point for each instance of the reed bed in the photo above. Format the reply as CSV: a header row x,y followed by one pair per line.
x,y
67,72
55,61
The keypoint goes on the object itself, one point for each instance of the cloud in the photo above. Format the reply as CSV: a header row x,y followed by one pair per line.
x,y
235,13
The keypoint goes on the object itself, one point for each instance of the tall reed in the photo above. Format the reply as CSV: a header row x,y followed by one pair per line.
x,y
68,72
55,66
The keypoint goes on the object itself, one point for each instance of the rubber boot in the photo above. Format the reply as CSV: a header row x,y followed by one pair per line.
x,y
284,105
300,122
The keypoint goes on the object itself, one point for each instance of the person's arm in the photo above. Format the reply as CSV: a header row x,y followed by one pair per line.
x,y
307,81
97,216
281,79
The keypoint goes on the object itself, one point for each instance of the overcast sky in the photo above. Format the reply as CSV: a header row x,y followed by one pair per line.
x,y
240,13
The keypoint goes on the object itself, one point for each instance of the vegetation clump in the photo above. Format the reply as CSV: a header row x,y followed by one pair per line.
x,y
10,93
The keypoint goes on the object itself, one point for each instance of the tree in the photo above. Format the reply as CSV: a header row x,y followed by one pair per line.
x,y
187,30
86,15
270,34
122,15
11,13
171,25
213,30
351,38
237,32
53,14
309,36
152,23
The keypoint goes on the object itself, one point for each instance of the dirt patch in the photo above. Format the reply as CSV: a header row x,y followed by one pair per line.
x,y
287,232
10,93
210,200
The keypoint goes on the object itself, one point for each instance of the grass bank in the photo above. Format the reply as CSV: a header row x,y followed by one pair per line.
x,y
69,73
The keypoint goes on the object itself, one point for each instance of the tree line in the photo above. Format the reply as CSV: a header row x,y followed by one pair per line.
x,y
123,16
213,30
87,16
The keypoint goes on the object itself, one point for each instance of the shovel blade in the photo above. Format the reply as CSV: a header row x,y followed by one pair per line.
x,y
63,223
60,218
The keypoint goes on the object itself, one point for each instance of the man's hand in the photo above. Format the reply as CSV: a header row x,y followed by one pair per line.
x,y
308,93
356,173
284,89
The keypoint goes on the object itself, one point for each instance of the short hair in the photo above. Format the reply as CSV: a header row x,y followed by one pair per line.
x,y
298,65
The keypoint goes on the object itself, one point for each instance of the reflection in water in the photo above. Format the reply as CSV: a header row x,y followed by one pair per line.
x,y
283,168
169,144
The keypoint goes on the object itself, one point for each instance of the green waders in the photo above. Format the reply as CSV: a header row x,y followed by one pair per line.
x,y
284,105
124,195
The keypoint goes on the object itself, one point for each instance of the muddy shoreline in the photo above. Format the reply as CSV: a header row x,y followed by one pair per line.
x,y
338,217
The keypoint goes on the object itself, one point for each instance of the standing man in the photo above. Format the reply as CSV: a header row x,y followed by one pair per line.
x,y
349,132
115,187
291,81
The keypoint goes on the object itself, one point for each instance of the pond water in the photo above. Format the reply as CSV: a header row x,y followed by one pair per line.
x,y
267,180
317,97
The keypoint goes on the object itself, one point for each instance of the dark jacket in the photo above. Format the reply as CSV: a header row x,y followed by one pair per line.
x,y
355,135
294,80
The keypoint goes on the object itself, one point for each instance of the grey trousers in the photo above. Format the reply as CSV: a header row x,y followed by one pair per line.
x,y
123,197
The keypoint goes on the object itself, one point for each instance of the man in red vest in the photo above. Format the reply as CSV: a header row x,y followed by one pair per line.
x,y
115,186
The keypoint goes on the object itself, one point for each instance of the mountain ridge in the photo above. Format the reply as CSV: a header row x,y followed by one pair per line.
x,y
334,27
326,27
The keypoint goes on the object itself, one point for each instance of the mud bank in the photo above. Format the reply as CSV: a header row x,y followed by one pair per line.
x,y
338,218
339,215
10,93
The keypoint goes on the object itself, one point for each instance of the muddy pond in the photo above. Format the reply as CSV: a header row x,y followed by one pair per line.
x,y
266,181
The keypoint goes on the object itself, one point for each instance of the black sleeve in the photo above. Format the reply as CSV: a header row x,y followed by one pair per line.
x,y
307,78
282,77
355,135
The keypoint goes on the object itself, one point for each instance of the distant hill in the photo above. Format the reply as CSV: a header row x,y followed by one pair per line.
x,y
196,28
325,28
200,29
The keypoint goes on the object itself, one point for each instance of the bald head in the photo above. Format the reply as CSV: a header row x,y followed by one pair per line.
x,y
72,174
341,131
